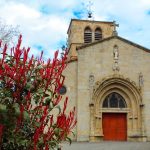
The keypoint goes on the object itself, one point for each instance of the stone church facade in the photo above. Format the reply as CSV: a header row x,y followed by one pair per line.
x,y
108,81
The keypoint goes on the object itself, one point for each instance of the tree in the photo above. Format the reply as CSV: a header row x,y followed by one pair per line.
x,y
29,94
8,32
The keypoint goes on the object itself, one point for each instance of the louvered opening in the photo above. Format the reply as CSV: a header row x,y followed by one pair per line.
x,y
87,35
98,34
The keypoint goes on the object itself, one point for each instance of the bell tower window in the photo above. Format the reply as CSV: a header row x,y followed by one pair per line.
x,y
98,34
87,35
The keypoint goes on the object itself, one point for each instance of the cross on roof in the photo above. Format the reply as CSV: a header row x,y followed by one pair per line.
x,y
89,5
114,28
115,25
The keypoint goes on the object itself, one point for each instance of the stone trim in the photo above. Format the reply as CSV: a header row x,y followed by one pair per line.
x,y
111,22
115,37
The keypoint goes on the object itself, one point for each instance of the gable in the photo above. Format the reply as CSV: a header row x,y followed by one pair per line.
x,y
99,58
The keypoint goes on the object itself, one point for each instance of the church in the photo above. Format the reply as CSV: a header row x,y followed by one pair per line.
x,y
108,81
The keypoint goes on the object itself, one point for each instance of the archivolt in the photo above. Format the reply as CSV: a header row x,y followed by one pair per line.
x,y
124,86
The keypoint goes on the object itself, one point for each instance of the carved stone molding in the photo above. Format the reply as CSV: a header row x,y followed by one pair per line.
x,y
91,80
141,80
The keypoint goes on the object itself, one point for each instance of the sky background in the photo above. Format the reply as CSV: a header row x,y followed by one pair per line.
x,y
44,23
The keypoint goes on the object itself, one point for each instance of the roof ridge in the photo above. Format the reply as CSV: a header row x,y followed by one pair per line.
x,y
118,37
87,21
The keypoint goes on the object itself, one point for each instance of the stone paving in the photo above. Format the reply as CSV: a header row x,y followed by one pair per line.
x,y
107,146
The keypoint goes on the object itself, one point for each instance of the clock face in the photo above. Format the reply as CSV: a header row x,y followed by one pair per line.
x,y
62,90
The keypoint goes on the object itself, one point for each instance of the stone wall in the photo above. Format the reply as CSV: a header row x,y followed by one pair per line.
x,y
70,74
76,32
129,65
98,60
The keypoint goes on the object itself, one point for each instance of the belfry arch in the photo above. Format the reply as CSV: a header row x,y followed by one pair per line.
x,y
131,94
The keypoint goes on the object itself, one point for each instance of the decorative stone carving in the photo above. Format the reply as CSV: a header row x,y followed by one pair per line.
x,y
141,80
91,80
116,53
116,66
91,85
116,58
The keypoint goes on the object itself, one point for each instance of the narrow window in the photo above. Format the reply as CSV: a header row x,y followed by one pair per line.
x,y
98,34
87,35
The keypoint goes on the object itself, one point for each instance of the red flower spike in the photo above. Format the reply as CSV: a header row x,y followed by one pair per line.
x,y
4,53
1,131
46,147
65,105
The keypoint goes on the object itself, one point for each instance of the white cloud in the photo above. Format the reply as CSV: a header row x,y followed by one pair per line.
x,y
131,15
48,28
37,28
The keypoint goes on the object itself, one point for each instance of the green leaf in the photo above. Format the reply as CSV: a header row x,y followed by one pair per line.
x,y
17,108
26,115
40,91
53,144
69,140
73,133
39,67
41,141
46,95
24,142
28,86
59,108
57,131
51,105
37,124
47,101
2,107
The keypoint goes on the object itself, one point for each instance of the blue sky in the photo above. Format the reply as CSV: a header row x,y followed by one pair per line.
x,y
44,23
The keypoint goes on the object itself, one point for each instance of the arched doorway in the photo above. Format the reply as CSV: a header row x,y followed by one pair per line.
x,y
126,105
114,124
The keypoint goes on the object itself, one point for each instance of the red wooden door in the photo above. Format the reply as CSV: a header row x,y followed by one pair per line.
x,y
115,126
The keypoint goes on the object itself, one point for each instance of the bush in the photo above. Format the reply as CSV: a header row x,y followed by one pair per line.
x,y
29,92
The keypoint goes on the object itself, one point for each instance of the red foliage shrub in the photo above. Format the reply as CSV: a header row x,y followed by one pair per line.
x,y
29,89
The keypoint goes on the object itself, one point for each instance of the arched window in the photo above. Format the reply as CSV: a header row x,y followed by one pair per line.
x,y
98,34
87,35
114,100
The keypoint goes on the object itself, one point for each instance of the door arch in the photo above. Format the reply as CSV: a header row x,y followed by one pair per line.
x,y
131,95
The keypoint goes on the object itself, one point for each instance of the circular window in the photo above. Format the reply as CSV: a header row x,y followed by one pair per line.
x,y
62,90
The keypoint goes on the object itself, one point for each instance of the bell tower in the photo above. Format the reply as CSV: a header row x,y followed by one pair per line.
x,y
81,32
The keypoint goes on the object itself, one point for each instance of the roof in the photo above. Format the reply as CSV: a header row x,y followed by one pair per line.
x,y
94,21
114,37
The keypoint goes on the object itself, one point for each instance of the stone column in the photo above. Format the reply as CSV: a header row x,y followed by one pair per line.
x,y
141,84
91,105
